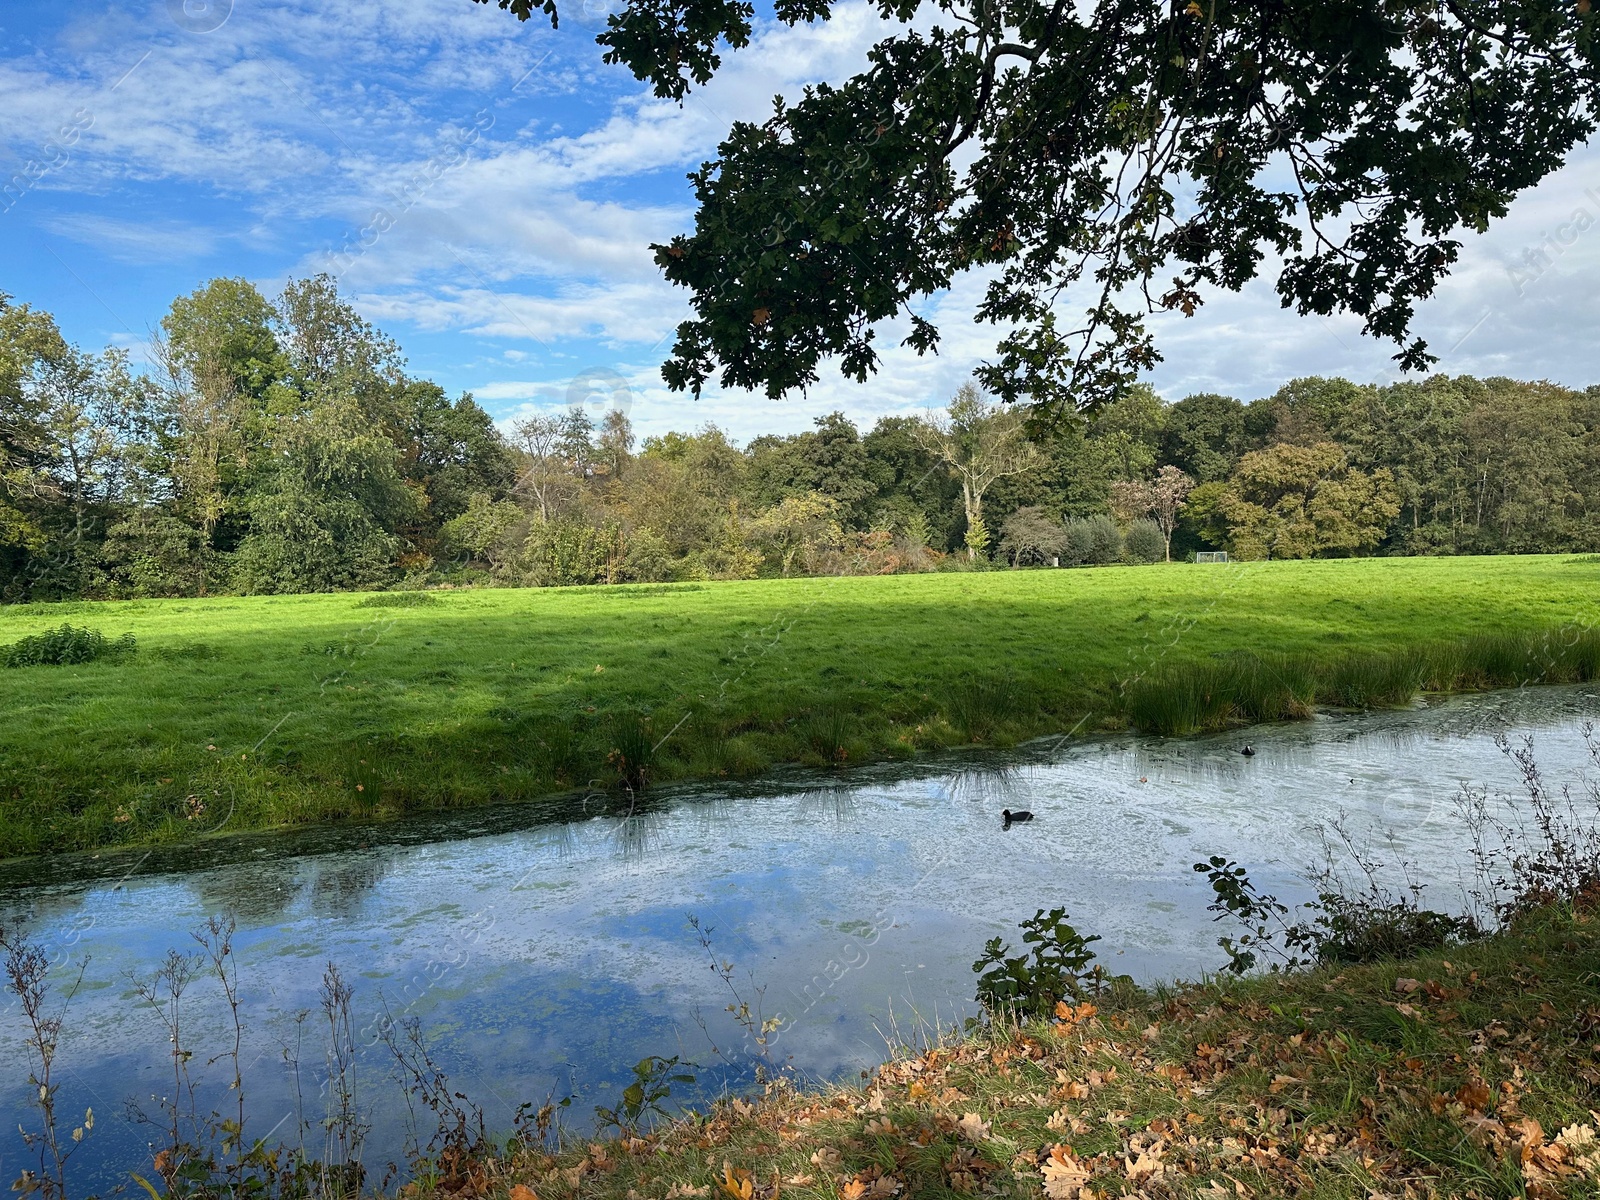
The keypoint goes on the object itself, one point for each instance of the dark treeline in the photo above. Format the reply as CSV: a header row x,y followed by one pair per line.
x,y
281,446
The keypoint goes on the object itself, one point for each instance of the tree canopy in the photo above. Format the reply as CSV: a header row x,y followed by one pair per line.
x,y
280,445
1122,155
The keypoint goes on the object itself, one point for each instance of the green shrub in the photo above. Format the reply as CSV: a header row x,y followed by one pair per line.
x,y
68,644
1144,543
1345,925
1094,542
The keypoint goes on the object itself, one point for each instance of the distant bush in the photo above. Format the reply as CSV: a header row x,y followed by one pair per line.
x,y
1144,543
68,644
398,600
1093,542
1031,536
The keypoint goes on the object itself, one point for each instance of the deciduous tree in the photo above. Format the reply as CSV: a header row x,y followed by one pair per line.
x,y
1112,157
1292,501
979,442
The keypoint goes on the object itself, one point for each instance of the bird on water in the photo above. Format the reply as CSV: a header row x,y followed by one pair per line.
x,y
1248,751
1014,818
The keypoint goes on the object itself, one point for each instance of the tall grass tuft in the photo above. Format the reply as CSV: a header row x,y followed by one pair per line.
x,y
827,732
633,751
1215,693
1241,688
980,705
1383,680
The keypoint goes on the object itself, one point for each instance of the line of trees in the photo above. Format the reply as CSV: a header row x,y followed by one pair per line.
x,y
281,446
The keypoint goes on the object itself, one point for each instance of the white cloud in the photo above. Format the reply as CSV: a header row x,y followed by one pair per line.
x,y
137,242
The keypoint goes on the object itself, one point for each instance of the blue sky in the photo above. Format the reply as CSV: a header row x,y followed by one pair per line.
x,y
521,181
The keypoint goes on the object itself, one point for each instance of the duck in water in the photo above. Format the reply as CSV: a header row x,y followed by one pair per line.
x,y
1249,751
1014,818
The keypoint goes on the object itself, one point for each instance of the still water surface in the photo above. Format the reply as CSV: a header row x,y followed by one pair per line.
x,y
542,960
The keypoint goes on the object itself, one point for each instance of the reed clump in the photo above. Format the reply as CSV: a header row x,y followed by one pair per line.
x,y
979,707
1245,688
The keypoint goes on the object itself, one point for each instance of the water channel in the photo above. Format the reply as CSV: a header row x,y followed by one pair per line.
x,y
542,958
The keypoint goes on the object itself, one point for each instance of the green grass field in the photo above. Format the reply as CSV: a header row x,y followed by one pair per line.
x,y
241,713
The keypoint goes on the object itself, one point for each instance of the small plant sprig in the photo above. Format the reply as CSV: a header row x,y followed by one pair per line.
x,y
1032,984
1265,917
748,1014
642,1100
1346,923
459,1144
27,970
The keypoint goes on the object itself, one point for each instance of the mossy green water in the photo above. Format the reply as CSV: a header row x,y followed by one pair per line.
x,y
251,712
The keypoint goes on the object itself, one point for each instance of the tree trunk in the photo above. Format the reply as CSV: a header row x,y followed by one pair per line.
x,y
974,505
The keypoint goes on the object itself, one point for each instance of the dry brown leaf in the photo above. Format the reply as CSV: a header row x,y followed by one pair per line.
x,y
1406,986
1064,1175
871,1184
973,1127
828,1159
737,1182
522,1191
1474,1094
1148,1163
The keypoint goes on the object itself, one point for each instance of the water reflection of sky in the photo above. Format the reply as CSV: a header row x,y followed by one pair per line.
x,y
543,961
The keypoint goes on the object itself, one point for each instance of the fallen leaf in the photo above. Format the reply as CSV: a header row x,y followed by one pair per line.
x,y
523,1192
973,1127
1575,1136
1406,986
1474,1094
1148,1162
737,1182
828,1159
1064,1175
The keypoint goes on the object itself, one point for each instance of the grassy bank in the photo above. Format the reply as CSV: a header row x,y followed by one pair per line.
x,y
1470,1073
239,713
1248,688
